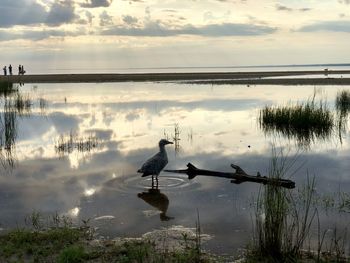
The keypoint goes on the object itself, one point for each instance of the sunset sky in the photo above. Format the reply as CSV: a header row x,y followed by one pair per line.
x,y
167,33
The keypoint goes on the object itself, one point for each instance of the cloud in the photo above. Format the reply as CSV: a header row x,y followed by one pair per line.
x,y
347,2
156,29
61,12
21,12
289,9
105,19
37,35
130,19
29,12
89,16
333,26
283,8
96,3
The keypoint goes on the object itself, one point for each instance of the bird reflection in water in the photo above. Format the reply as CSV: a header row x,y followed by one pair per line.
x,y
158,200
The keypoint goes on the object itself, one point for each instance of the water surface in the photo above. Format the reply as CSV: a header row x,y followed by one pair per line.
x,y
118,126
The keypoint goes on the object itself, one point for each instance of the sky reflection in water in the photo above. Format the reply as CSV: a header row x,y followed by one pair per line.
x,y
218,126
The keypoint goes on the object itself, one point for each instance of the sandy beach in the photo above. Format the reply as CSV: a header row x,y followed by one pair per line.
x,y
253,78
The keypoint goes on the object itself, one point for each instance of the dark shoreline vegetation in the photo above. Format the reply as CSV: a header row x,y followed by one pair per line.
x,y
247,78
58,240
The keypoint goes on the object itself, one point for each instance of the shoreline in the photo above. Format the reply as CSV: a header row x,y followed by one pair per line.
x,y
253,78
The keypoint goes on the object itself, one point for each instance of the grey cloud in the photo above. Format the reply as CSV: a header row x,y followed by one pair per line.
x,y
61,12
170,10
289,9
283,8
132,116
305,9
96,3
21,12
333,26
344,2
155,29
105,19
135,1
130,19
36,35
89,16
28,12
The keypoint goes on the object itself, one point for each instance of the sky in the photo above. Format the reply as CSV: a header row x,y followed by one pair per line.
x,y
104,34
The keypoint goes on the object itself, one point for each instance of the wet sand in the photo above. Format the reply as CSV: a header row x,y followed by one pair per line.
x,y
253,78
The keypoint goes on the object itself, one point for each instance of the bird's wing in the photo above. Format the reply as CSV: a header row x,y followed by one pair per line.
x,y
154,165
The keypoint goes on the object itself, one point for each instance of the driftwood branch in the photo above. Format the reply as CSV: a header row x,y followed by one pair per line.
x,y
240,176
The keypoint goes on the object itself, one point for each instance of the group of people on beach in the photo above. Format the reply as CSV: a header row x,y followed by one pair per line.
x,y
21,70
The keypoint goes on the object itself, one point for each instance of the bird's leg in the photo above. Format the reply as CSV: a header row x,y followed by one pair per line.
x,y
152,181
157,181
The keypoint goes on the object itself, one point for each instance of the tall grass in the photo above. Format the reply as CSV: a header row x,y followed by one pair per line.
x,y
282,225
303,121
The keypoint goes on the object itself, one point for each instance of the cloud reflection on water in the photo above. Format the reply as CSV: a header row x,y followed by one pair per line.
x,y
221,123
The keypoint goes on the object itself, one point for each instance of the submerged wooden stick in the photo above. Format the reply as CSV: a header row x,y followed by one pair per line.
x,y
238,177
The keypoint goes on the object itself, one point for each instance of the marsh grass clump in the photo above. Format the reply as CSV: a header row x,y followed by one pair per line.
x,y
304,121
282,225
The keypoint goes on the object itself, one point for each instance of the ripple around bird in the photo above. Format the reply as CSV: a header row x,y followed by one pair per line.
x,y
137,183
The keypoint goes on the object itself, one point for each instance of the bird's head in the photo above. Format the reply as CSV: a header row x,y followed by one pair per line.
x,y
164,142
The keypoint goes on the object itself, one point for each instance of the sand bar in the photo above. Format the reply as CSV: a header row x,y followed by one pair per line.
x,y
202,77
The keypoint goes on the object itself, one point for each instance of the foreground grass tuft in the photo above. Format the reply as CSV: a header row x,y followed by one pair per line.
x,y
72,254
71,245
59,241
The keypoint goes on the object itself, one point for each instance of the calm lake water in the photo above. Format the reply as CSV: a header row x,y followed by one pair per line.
x,y
76,148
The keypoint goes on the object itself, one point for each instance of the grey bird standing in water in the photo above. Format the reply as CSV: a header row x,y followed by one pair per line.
x,y
155,164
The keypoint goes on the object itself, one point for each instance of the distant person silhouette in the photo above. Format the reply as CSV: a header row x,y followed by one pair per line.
x,y
5,70
10,69
19,69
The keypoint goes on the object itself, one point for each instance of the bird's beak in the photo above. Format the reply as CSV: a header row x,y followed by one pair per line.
x,y
169,142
